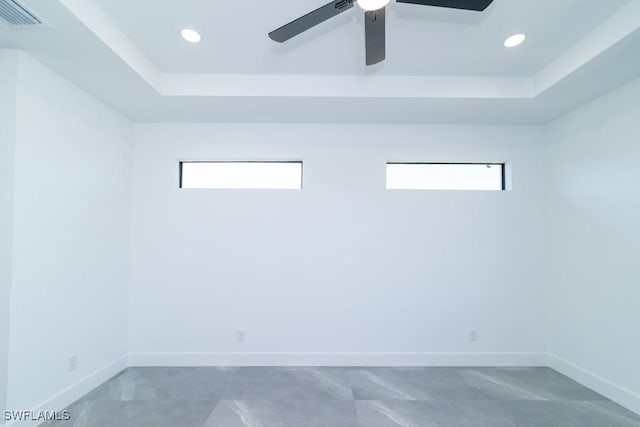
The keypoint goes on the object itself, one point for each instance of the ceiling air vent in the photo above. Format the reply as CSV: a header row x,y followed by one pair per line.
x,y
17,15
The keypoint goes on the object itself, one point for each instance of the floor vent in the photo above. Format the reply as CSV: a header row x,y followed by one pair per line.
x,y
17,15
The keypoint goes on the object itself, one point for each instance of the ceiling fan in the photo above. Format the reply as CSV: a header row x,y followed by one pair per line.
x,y
374,18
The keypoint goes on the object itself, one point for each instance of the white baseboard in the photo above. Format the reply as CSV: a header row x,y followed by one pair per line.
x,y
337,359
75,391
620,395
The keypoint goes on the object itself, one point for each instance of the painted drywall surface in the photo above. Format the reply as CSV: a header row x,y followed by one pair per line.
x,y
594,237
8,79
343,265
72,216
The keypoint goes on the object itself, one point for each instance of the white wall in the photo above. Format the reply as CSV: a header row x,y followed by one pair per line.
x,y
8,78
71,225
343,265
593,158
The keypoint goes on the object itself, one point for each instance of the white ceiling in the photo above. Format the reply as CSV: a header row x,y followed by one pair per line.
x,y
420,40
443,66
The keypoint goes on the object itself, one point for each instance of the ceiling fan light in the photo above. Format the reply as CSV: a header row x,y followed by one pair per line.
x,y
372,4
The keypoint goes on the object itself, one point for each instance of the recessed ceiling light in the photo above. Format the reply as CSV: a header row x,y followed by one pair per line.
x,y
372,4
515,40
190,35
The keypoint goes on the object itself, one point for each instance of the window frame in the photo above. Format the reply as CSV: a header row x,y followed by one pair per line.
x,y
261,161
503,173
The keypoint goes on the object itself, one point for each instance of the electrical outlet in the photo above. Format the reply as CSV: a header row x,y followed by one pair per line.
x,y
240,336
473,335
73,363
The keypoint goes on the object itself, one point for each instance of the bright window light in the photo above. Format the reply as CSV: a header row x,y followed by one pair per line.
x,y
241,175
445,176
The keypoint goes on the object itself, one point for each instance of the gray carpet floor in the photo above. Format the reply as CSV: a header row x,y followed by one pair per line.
x,y
344,397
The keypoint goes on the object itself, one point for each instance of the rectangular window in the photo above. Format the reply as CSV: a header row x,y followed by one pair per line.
x,y
280,175
446,176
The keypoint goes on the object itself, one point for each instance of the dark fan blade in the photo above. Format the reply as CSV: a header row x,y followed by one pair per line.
x,y
374,28
478,5
310,20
